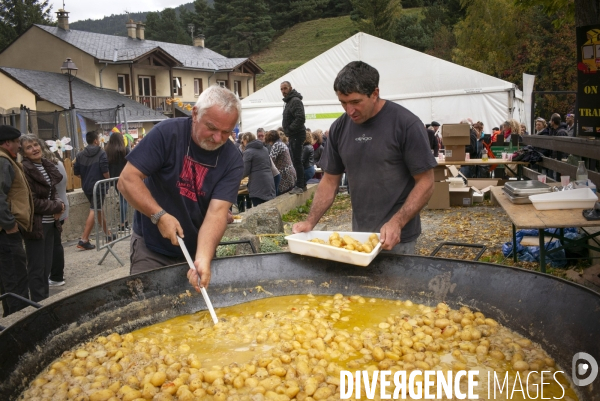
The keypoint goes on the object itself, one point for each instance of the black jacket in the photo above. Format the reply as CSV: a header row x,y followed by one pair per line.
x,y
318,154
433,142
257,166
471,149
91,164
308,156
560,131
293,114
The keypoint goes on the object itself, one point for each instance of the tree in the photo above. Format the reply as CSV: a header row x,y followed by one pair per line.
x,y
410,33
337,8
377,17
239,28
498,38
165,26
199,17
16,16
286,13
412,3
583,12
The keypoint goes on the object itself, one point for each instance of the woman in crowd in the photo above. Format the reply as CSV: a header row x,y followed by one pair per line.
x,y
317,138
308,160
283,138
541,128
57,271
116,152
510,128
257,166
42,176
280,155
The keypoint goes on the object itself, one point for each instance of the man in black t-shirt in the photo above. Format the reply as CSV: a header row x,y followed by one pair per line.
x,y
181,180
385,152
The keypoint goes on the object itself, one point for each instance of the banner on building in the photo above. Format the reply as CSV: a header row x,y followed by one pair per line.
x,y
588,80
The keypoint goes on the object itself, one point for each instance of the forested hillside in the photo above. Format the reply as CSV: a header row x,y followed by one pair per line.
x,y
115,23
503,38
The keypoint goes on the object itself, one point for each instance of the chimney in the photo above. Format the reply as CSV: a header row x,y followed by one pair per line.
x,y
63,19
140,28
131,28
199,41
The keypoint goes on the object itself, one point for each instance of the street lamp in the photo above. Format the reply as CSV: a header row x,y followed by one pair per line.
x,y
68,67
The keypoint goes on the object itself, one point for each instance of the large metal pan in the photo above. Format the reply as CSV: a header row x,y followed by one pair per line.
x,y
563,317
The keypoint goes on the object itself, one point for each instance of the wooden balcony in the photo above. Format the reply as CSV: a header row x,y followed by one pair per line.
x,y
158,103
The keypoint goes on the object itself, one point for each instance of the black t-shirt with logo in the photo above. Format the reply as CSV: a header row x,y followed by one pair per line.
x,y
380,158
183,178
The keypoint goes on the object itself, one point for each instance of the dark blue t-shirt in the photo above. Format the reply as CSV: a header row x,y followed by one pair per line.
x,y
183,181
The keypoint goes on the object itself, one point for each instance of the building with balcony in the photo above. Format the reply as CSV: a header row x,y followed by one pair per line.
x,y
149,72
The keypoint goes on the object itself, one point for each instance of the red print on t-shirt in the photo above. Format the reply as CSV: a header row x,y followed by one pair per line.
x,y
191,179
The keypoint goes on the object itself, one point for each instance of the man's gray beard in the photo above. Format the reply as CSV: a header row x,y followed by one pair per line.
x,y
204,143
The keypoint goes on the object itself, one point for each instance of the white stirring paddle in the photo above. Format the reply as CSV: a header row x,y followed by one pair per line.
x,y
202,290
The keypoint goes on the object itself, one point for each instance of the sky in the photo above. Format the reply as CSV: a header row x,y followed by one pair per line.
x,y
97,9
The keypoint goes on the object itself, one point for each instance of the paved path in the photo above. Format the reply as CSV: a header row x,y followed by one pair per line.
x,y
82,271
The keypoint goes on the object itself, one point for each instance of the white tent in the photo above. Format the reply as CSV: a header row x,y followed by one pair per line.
x,y
432,88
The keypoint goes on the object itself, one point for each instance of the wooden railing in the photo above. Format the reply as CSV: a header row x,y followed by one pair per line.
x,y
587,148
158,103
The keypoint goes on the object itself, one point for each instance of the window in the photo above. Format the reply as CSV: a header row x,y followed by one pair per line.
x,y
222,84
197,86
237,87
123,84
145,87
177,86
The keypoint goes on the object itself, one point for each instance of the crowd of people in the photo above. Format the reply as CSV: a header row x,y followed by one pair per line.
x,y
34,208
268,163
509,132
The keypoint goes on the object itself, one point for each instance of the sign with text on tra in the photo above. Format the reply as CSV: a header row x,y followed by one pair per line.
x,y
588,80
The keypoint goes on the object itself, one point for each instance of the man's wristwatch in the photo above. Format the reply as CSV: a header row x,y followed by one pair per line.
x,y
155,217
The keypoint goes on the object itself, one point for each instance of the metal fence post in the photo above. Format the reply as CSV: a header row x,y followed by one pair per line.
x,y
74,130
111,208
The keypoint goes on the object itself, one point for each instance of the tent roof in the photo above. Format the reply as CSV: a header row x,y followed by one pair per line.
x,y
404,74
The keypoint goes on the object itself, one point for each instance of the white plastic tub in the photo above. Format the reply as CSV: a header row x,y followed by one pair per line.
x,y
574,199
299,244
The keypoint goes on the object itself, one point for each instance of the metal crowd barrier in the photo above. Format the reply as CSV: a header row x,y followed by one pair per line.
x,y
115,215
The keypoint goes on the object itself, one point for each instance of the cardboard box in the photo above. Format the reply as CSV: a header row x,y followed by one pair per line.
x,y
455,134
461,196
455,153
439,173
441,196
456,140
454,130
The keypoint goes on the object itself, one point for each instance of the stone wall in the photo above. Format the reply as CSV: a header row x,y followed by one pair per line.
x,y
262,219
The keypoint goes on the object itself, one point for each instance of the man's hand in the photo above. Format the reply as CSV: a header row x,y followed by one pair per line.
x,y
13,230
302,227
202,271
229,217
170,228
389,236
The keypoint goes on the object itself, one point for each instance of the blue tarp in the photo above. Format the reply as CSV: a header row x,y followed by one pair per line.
x,y
532,253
